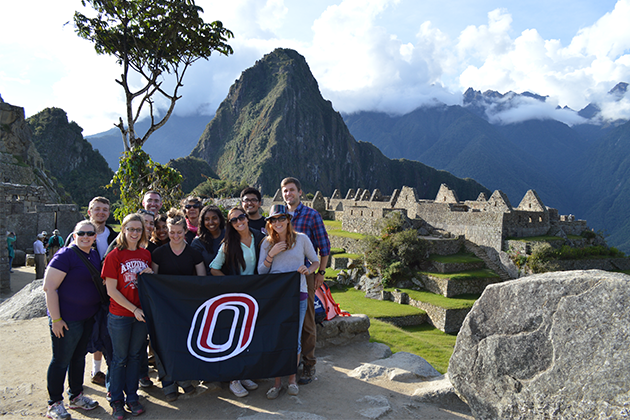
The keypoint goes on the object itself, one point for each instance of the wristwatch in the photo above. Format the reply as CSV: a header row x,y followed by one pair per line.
x,y
322,272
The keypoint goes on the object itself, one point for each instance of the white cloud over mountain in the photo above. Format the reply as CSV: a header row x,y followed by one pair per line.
x,y
384,55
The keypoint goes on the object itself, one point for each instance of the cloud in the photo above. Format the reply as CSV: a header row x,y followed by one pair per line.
x,y
514,109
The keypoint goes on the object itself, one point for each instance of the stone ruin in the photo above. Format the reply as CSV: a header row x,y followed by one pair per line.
x,y
487,222
27,211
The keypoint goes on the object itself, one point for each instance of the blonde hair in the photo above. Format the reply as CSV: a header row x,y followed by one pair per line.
x,y
175,217
121,239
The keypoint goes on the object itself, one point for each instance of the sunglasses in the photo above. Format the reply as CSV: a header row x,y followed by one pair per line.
x,y
83,233
191,206
143,211
277,219
237,218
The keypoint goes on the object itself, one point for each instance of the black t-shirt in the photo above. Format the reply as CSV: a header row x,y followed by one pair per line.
x,y
180,265
258,224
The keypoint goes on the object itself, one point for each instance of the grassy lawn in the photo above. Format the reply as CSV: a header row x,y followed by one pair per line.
x,y
331,274
344,234
355,302
459,302
351,256
332,224
426,341
461,257
463,275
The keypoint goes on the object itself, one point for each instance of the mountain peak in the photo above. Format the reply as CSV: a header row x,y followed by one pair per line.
x,y
275,123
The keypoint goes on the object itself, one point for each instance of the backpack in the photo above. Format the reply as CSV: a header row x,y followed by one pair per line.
x,y
325,306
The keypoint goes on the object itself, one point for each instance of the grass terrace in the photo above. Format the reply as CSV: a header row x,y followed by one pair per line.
x,y
458,302
463,275
426,341
459,258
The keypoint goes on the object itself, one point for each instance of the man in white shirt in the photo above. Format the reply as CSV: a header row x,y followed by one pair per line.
x,y
40,256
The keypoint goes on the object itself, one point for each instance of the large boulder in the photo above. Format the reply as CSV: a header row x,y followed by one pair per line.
x,y
30,302
553,345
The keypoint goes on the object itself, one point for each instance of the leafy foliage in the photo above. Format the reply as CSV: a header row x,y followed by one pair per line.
x,y
397,252
150,38
137,174
220,188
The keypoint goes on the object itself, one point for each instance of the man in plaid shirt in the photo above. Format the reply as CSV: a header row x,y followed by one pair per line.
x,y
308,221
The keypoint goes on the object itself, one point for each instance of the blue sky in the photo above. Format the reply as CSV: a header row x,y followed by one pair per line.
x,y
384,55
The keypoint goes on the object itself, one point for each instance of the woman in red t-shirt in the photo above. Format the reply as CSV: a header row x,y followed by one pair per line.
x,y
125,321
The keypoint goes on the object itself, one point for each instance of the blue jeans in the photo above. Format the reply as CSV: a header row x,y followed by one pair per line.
x,y
68,355
303,306
10,264
128,337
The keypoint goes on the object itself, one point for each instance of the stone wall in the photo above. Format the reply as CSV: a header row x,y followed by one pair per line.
x,y
482,228
26,210
342,330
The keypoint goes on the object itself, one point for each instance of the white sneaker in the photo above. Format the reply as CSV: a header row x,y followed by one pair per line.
x,y
249,384
57,411
83,401
237,389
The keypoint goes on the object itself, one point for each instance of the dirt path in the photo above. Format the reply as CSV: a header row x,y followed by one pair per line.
x,y
25,352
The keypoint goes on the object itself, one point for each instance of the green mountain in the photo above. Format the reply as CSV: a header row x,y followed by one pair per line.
x,y
455,139
275,123
79,169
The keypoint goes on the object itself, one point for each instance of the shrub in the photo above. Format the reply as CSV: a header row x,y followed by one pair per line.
x,y
397,252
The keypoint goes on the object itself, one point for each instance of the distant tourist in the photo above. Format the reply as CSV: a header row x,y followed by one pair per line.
x,y
40,256
211,233
192,208
152,201
238,255
11,238
308,221
54,243
72,300
125,322
284,251
251,200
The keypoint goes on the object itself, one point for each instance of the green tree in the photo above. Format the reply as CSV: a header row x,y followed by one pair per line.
x,y
136,175
150,38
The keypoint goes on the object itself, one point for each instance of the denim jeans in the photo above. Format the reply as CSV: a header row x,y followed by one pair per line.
x,y
303,307
68,355
128,337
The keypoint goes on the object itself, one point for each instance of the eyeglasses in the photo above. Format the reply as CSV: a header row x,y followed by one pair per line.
x,y
250,200
240,217
143,211
277,219
134,230
83,233
190,206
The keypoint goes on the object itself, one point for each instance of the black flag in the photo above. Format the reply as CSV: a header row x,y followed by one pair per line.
x,y
222,328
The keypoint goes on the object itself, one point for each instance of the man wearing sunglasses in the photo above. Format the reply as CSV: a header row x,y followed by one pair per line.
x,y
251,201
308,221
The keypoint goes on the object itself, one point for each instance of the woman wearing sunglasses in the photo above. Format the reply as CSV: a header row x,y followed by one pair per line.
x,y
283,251
72,300
191,207
238,255
125,321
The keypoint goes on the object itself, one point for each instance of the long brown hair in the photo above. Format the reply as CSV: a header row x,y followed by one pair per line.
x,y
232,244
273,237
121,239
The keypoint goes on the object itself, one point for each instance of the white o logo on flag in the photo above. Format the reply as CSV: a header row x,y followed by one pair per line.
x,y
202,329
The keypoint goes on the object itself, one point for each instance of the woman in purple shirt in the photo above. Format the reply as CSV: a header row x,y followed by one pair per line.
x,y
72,300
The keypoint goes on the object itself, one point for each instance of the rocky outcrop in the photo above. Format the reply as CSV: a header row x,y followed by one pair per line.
x,y
69,157
552,345
30,302
20,162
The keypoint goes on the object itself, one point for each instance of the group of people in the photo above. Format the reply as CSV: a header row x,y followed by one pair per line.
x,y
193,240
